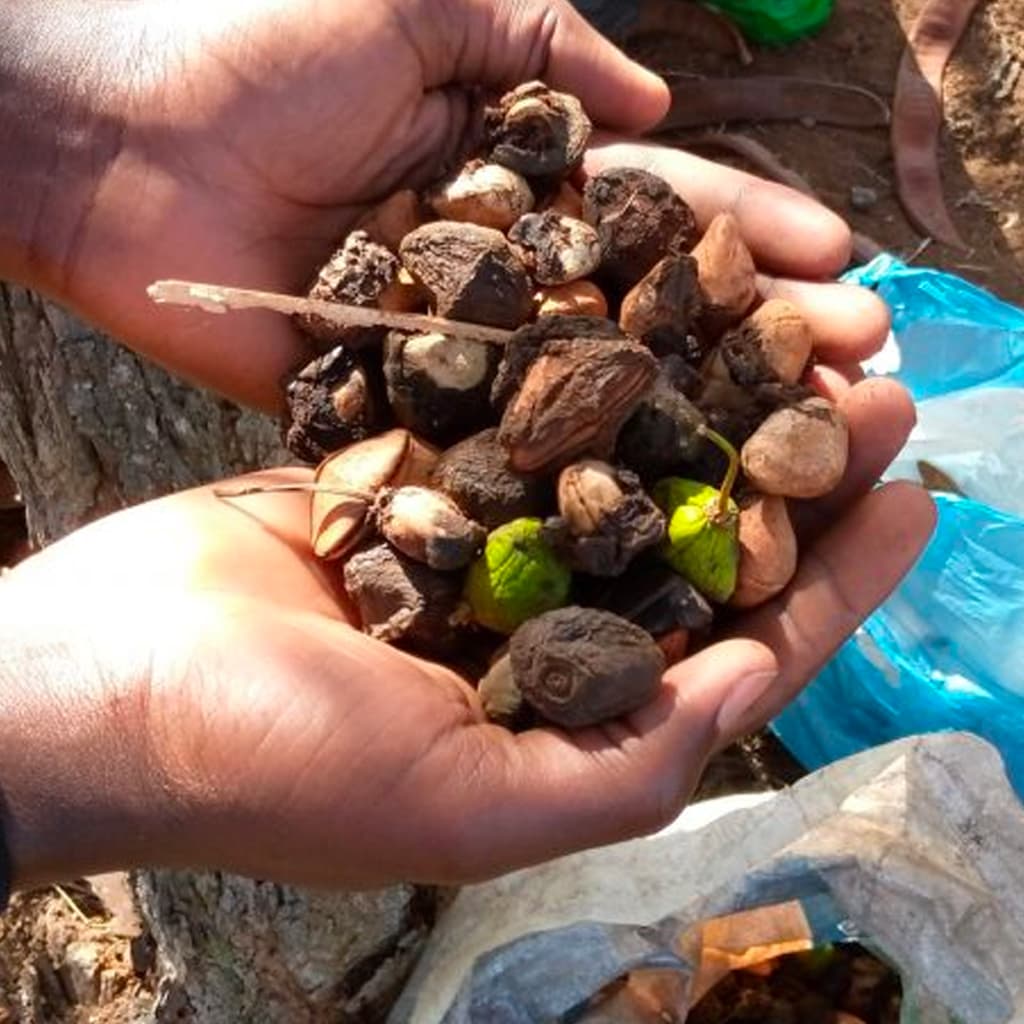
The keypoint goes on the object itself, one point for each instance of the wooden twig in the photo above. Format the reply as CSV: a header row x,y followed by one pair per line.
x,y
215,298
71,904
304,488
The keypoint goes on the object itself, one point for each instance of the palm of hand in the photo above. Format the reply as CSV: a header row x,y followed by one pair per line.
x,y
277,725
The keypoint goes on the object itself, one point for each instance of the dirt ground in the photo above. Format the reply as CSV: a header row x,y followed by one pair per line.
x,y
63,957
982,151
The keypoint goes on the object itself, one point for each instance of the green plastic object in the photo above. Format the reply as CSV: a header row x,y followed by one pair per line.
x,y
775,22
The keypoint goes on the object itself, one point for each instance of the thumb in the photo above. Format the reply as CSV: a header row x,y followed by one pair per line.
x,y
562,792
503,43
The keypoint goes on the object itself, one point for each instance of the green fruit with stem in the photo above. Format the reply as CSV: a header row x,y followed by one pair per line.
x,y
517,577
702,538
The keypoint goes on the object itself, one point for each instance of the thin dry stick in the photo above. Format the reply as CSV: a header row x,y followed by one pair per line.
x,y
305,488
215,298
72,905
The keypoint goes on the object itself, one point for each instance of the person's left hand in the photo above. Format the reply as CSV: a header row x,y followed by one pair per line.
x,y
180,685
236,142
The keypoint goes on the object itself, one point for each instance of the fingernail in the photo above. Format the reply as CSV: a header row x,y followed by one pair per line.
x,y
741,698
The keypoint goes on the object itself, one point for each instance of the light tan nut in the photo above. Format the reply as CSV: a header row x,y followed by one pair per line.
x,y
428,527
567,200
499,696
728,278
338,521
486,194
784,337
798,452
577,298
606,518
768,551
390,221
588,491
403,295
662,309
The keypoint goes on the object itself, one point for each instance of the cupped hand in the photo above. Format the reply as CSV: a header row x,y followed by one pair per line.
x,y
181,685
251,135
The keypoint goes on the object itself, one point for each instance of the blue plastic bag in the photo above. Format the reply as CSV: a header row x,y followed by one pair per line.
x,y
947,650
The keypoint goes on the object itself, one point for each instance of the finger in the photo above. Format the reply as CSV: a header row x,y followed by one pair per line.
x,y
832,382
546,792
842,578
848,323
787,232
880,414
502,43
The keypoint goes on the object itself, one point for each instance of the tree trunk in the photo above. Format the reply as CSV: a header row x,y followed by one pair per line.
x,y
86,428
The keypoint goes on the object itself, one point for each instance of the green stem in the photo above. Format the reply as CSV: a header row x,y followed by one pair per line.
x,y
730,474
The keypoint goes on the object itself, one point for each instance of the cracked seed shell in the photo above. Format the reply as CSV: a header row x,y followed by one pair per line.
x,y
639,219
471,273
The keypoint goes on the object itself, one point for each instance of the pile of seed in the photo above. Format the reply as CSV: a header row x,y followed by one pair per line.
x,y
560,510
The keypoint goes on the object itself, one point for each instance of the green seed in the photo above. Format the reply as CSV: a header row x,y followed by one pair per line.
x,y
702,539
517,577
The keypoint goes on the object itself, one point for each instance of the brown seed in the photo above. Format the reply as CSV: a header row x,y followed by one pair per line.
x,y
588,492
331,404
798,452
574,400
537,132
554,248
486,194
499,696
768,551
738,393
609,519
657,599
673,646
567,200
390,221
578,298
359,273
662,437
782,334
471,273
338,520
639,219
527,343
476,476
428,527
581,666
401,601
662,309
728,278
439,387
403,295
733,373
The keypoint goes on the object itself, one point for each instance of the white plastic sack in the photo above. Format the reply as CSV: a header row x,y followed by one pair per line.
x,y
915,849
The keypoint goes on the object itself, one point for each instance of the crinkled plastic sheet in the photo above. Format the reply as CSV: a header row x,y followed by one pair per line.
x,y
915,849
947,650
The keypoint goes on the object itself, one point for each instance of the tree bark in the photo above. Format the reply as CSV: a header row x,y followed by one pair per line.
x,y
86,428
